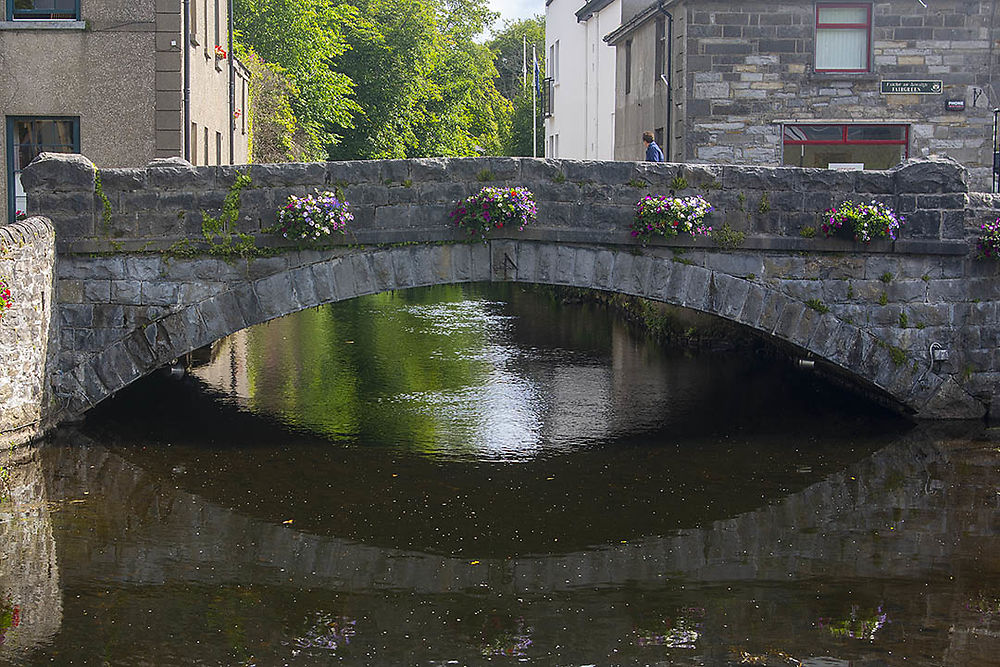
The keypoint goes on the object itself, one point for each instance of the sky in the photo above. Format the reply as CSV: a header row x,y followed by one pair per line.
x,y
516,9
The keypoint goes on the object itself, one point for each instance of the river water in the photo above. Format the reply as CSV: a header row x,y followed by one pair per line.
x,y
468,475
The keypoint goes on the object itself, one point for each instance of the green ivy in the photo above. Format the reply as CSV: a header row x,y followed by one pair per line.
x,y
221,233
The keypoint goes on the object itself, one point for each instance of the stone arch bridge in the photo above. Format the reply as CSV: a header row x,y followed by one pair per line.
x,y
136,283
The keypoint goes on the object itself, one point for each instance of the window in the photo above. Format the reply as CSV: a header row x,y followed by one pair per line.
x,y
553,64
193,25
243,105
628,66
194,143
843,34
218,148
871,146
43,9
661,50
216,16
26,138
206,146
547,97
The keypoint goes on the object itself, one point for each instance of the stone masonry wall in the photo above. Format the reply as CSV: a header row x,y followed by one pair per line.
x,y
27,259
750,68
410,200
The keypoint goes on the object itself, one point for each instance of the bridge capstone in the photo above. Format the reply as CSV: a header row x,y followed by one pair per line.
x,y
137,286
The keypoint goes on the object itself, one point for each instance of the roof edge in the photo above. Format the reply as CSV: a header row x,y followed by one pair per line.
x,y
627,28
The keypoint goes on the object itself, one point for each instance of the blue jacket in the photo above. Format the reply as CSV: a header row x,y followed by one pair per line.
x,y
653,153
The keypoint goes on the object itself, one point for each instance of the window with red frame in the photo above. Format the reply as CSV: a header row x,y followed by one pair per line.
x,y
843,37
869,145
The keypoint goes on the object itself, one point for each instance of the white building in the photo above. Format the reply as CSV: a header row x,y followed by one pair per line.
x,y
580,93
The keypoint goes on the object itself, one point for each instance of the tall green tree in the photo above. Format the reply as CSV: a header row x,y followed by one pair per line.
x,y
304,38
423,85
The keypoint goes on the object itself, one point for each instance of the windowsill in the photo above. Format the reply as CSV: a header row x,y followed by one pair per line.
x,y
43,24
843,76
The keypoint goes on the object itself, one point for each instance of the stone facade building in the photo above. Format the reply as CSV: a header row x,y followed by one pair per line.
x,y
845,85
123,81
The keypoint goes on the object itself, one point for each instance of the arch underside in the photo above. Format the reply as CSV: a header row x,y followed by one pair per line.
x,y
652,273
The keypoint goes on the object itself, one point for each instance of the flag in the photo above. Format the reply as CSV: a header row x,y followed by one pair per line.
x,y
538,76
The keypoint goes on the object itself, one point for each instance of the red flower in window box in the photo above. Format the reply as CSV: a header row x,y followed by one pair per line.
x,y
237,113
220,53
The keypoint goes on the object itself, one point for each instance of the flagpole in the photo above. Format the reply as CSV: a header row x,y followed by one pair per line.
x,y
524,62
534,102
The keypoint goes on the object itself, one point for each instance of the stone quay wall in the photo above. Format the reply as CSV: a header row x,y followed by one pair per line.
x,y
27,260
128,298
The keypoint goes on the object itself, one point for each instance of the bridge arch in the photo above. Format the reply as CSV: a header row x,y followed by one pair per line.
x,y
212,299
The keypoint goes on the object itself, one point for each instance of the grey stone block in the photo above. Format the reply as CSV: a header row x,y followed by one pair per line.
x,y
304,287
604,262
59,172
736,293
583,267
423,265
323,279
403,268
527,261
384,276
565,259
503,258
481,265
462,262
276,296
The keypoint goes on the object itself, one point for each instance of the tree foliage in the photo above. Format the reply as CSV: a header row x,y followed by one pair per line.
x,y
381,78
303,38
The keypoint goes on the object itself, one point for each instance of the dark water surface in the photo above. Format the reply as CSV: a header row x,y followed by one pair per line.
x,y
472,475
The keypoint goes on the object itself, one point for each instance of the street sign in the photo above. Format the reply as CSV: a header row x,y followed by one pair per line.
x,y
911,87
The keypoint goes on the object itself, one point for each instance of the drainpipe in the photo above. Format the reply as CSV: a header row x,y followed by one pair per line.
x,y
186,45
232,91
668,138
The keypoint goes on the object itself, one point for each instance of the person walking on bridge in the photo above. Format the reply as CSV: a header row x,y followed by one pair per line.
x,y
653,152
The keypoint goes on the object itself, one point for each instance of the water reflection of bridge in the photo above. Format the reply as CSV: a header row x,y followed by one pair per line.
x,y
901,514
887,516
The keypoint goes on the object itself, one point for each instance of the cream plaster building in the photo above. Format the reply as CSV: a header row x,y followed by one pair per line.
x,y
121,81
580,83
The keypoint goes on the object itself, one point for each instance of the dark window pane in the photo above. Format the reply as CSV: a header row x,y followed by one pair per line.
x,y
814,133
875,133
45,9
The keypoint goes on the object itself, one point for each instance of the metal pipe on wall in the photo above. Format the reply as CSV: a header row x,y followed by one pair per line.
x,y
232,91
669,130
186,45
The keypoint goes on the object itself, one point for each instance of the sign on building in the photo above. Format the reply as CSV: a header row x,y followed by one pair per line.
x,y
911,87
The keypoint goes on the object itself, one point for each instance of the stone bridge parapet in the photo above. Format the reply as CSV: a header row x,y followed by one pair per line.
x,y
401,201
914,321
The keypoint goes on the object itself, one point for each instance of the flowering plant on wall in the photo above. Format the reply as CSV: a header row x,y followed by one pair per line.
x,y
6,301
668,216
20,215
867,221
494,208
988,243
313,217
220,53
